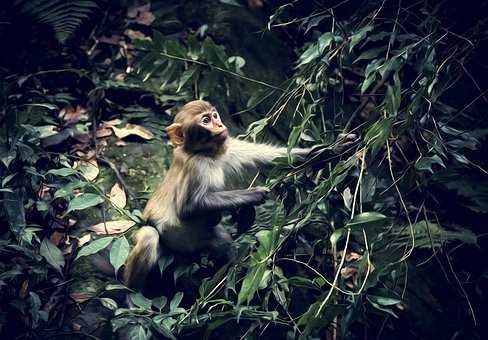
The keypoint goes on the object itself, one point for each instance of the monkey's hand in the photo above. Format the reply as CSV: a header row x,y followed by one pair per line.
x,y
259,194
343,142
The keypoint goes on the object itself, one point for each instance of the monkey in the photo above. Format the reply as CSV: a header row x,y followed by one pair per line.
x,y
186,209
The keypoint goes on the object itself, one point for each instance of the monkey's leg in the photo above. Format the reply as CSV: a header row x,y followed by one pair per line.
x,y
244,217
142,258
220,247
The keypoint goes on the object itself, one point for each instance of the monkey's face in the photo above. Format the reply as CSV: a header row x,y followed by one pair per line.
x,y
206,132
211,122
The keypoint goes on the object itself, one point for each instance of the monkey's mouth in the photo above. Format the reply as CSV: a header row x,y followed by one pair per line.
x,y
222,134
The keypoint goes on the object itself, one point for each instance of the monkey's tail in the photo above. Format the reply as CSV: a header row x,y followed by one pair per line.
x,y
142,258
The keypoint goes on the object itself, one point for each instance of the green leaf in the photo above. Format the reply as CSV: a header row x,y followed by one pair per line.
x,y
108,303
116,287
138,333
336,236
52,254
231,2
119,252
358,36
294,136
368,220
185,77
384,300
316,49
365,219
68,189
84,201
94,247
7,179
238,61
141,301
164,262
251,283
160,302
63,172
175,301
377,134
161,325
371,54
425,163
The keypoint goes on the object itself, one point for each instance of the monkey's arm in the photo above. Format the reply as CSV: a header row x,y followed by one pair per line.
x,y
207,202
243,153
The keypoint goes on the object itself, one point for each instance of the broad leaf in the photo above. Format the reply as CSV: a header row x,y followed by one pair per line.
x,y
84,201
94,247
52,254
119,252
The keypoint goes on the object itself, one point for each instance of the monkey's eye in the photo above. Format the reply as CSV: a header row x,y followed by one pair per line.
x,y
215,115
206,120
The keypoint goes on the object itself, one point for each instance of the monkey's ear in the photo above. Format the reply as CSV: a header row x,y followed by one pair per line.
x,y
175,134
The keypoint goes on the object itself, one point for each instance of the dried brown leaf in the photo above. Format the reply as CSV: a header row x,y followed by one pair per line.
x,y
117,196
113,227
348,272
84,239
23,289
133,34
72,115
133,129
120,76
80,297
145,18
120,142
89,169
112,122
103,132
57,237
113,39
133,11
67,249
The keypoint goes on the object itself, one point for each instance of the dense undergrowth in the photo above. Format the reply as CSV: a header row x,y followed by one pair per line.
x,y
381,241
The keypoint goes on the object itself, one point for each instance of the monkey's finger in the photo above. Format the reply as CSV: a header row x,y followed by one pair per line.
x,y
347,137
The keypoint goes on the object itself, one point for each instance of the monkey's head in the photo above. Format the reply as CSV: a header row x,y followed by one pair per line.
x,y
198,129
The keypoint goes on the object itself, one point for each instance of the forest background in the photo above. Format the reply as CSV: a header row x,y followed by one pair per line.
x,y
386,240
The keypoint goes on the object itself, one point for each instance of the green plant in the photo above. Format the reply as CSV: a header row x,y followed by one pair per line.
x,y
63,17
